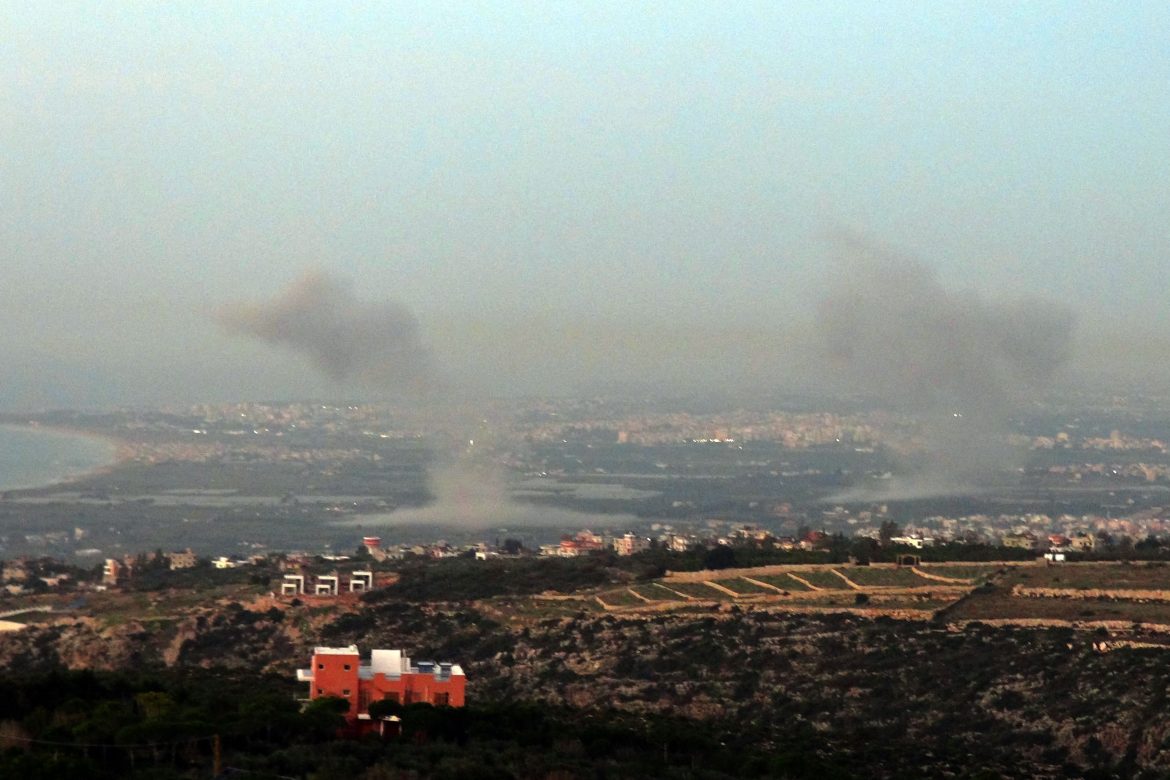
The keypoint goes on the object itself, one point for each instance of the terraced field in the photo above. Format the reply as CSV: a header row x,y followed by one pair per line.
x,y
823,578
697,590
869,577
1064,595
656,592
971,573
784,582
1092,576
743,587
620,598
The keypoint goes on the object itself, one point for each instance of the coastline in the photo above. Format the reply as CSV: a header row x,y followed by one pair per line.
x,y
120,452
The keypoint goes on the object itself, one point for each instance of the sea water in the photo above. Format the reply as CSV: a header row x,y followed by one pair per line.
x,y
33,457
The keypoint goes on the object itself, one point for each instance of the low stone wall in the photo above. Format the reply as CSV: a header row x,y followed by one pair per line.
x,y
1092,593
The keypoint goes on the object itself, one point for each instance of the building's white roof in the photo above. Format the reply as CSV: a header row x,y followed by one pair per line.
x,y
351,650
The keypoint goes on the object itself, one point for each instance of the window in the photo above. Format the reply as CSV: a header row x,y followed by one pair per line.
x,y
319,691
442,699
391,696
347,667
345,692
408,697
320,666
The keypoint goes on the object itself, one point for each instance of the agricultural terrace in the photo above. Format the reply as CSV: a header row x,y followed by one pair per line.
x,y
783,582
824,579
973,573
1092,576
884,577
745,588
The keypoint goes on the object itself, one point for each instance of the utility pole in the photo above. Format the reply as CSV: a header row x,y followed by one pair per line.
x,y
217,757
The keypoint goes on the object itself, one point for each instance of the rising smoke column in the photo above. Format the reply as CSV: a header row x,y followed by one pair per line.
x,y
378,345
958,363
374,344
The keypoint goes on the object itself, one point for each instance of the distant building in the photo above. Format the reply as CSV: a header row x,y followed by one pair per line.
x,y
630,544
373,545
115,572
582,543
361,581
814,540
1023,541
915,541
15,571
182,560
293,585
339,672
680,542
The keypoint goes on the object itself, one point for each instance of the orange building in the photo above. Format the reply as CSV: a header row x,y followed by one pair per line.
x,y
338,671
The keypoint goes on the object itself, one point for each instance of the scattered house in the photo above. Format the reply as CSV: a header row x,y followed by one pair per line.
x,y
182,560
327,585
15,571
1025,540
814,540
389,675
55,580
224,562
917,541
1083,541
630,544
293,585
751,534
680,542
582,543
361,581
373,545
115,572
1054,557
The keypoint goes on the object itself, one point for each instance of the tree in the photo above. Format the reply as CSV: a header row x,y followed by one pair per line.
x,y
888,530
384,708
719,557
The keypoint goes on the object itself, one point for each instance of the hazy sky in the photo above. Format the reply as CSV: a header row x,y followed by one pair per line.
x,y
561,193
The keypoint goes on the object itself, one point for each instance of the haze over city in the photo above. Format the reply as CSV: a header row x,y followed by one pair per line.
x,y
584,389
564,198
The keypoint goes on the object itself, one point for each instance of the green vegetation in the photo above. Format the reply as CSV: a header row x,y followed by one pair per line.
x,y
742,586
784,582
465,579
972,573
164,726
654,592
1096,576
620,598
822,578
996,602
871,576
697,590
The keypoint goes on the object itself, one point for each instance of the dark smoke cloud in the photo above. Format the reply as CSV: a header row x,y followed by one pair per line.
x,y
960,364
376,345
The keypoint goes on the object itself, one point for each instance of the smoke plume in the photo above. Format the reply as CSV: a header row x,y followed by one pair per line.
x,y
376,345
472,494
958,363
